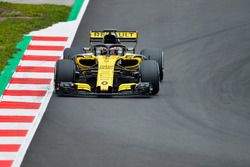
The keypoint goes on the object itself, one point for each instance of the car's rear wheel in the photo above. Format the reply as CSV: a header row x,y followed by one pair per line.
x,y
70,52
65,71
149,71
157,55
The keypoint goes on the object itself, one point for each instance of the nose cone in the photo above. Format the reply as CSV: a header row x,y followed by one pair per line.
x,y
105,77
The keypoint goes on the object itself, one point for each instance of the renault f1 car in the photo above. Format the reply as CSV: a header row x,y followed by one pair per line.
x,y
109,67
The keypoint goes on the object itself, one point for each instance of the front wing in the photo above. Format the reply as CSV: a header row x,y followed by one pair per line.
x,y
71,89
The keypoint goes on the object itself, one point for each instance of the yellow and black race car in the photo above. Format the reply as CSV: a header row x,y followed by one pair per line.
x,y
108,67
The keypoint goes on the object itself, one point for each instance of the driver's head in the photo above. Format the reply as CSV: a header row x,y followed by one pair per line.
x,y
110,39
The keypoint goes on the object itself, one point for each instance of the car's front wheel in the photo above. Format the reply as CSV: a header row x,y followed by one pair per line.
x,y
149,70
65,71
157,55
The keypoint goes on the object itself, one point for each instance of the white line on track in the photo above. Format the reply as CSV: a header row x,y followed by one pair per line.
x,y
37,63
23,98
15,126
43,53
8,155
28,87
18,112
11,140
32,75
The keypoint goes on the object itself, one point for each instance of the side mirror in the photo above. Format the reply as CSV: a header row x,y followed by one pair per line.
x,y
87,49
132,50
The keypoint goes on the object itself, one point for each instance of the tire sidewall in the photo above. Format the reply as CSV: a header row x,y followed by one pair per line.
x,y
157,55
149,71
65,71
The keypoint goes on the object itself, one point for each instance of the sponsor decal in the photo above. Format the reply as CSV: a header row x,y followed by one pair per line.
x,y
106,67
119,34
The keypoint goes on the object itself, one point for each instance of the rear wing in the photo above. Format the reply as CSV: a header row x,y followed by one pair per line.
x,y
122,36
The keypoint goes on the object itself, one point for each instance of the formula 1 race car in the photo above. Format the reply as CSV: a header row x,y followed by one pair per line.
x,y
108,67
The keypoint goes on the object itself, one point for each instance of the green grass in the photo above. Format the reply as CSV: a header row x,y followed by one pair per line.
x,y
19,19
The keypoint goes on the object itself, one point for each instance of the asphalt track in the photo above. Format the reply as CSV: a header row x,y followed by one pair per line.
x,y
201,117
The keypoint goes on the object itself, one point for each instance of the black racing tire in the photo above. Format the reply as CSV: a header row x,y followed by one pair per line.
x,y
149,71
68,53
65,71
157,55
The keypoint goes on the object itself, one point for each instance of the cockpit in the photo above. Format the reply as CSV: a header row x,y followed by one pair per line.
x,y
116,50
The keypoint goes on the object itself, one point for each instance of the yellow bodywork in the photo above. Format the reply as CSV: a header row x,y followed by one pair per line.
x,y
83,86
106,69
105,76
126,86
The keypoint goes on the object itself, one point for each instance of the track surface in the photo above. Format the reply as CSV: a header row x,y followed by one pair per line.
x,y
201,117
